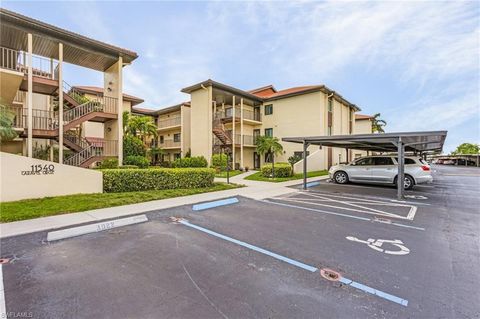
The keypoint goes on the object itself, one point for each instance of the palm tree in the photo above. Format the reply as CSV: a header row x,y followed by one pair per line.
x,y
143,126
126,118
378,124
7,132
271,146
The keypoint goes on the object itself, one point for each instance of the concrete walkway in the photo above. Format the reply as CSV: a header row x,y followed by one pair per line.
x,y
254,190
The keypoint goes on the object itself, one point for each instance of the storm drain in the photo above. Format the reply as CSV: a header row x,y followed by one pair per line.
x,y
330,274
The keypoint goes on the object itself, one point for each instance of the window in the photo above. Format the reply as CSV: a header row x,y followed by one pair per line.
x,y
382,161
300,154
364,161
176,137
162,139
269,132
407,160
330,104
176,156
268,109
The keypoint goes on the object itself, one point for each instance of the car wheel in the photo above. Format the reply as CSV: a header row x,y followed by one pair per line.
x,y
408,182
340,177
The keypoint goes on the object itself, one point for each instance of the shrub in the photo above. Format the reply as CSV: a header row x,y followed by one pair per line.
x,y
281,170
130,180
140,161
294,159
128,166
219,161
133,146
109,163
197,161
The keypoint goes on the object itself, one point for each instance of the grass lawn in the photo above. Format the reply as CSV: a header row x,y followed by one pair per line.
x,y
258,177
49,206
223,174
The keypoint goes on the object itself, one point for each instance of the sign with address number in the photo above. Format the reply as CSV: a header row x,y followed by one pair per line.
x,y
39,169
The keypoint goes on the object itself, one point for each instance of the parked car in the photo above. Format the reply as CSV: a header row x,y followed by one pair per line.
x,y
382,170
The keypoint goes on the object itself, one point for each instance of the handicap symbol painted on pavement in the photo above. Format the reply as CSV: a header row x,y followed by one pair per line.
x,y
377,244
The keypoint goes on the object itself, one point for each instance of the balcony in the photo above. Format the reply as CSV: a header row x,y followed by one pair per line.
x,y
14,60
248,140
169,123
169,144
248,115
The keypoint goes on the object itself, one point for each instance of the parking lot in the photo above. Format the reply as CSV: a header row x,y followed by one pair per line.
x,y
332,251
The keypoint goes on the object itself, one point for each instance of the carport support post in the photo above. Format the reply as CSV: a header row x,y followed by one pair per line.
x,y
401,171
305,146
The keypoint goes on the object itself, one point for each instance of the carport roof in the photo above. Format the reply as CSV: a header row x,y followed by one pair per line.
x,y
431,141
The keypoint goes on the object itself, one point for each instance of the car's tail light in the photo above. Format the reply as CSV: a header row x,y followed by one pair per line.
x,y
425,167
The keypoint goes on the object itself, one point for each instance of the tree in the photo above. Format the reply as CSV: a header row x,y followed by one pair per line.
x,y
126,118
467,148
7,117
133,146
154,153
294,159
378,124
270,146
141,126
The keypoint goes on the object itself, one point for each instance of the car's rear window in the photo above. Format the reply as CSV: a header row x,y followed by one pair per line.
x,y
407,160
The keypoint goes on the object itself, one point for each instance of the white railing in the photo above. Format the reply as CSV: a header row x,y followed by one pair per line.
x,y
168,122
98,148
99,104
169,143
247,114
17,61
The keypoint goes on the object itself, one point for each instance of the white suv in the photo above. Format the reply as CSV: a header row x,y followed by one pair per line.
x,y
382,169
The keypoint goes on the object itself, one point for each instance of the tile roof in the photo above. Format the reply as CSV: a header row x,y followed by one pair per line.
x,y
99,90
363,117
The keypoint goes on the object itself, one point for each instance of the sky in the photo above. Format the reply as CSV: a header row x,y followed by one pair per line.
x,y
416,63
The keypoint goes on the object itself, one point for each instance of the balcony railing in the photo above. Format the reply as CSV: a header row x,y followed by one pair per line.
x,y
169,122
169,144
248,140
247,114
17,61
41,119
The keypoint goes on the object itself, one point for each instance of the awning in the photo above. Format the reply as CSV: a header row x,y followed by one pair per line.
x,y
431,141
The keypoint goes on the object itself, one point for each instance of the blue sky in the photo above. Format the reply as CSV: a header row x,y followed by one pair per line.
x,y
417,63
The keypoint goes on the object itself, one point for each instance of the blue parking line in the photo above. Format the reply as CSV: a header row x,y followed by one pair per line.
x,y
216,203
311,184
374,291
252,247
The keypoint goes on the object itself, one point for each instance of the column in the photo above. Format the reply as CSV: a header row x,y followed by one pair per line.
x,y
120,110
233,132
241,133
60,103
401,171
30,98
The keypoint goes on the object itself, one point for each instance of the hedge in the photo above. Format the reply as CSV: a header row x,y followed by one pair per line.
x,y
219,161
109,163
197,161
140,161
281,170
130,180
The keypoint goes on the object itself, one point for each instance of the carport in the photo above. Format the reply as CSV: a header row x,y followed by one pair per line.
x,y
417,142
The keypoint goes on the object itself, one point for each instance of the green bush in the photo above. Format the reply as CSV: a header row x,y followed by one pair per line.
x,y
133,146
130,180
109,163
140,161
281,170
197,161
128,166
219,161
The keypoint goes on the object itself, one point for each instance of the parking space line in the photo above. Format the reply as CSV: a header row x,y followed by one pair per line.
x,y
374,291
410,216
216,203
252,247
3,309
338,214
343,280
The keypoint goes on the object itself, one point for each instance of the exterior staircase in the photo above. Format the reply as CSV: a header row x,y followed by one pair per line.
x,y
223,138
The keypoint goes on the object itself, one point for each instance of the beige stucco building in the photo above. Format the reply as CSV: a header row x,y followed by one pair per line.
x,y
50,113
220,117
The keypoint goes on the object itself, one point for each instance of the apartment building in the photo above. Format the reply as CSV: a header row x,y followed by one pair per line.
x,y
173,128
48,110
222,117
